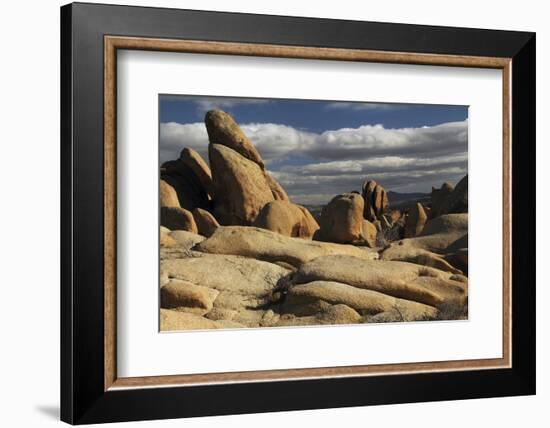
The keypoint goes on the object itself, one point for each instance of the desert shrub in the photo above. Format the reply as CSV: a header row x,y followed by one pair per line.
x,y
387,236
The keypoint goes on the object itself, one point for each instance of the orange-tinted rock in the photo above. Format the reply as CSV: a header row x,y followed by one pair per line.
x,y
176,218
199,167
168,195
189,189
342,221
240,187
287,219
414,224
376,200
222,129
206,222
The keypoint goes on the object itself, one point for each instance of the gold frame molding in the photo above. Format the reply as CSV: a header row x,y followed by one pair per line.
x,y
113,43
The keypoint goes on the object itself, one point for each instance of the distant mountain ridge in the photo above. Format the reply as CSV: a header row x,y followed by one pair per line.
x,y
398,198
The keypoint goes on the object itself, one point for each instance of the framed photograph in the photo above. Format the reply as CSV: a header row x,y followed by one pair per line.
x,y
267,213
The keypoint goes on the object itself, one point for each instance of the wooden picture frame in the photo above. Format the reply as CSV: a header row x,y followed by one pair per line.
x,y
91,390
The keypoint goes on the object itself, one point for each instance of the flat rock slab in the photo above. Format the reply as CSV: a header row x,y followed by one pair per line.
x,y
186,239
266,245
397,279
226,273
332,314
420,256
186,295
171,320
366,302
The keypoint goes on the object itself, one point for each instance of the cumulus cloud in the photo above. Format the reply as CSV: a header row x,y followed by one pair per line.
x,y
379,164
278,142
375,140
175,136
312,167
275,142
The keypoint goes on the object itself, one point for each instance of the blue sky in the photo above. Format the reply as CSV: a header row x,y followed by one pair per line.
x,y
316,116
317,149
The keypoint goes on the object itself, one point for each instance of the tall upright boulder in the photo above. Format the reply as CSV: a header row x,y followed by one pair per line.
x,y
199,167
376,200
342,221
189,189
457,201
241,184
439,198
415,221
240,188
168,195
222,129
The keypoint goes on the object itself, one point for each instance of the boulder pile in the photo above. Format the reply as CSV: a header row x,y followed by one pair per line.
x,y
237,252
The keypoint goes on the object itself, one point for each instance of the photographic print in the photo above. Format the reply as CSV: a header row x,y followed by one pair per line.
x,y
287,212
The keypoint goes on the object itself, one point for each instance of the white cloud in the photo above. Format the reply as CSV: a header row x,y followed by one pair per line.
x,y
273,141
336,161
330,167
372,140
378,164
175,136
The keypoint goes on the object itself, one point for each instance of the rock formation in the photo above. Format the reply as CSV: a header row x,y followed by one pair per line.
x,y
287,219
407,253
397,279
176,218
270,246
449,199
171,320
376,200
196,163
415,221
187,297
206,222
240,189
439,196
244,286
241,185
312,295
222,129
342,222
185,239
457,200
261,268
168,195
166,240
188,187
442,244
